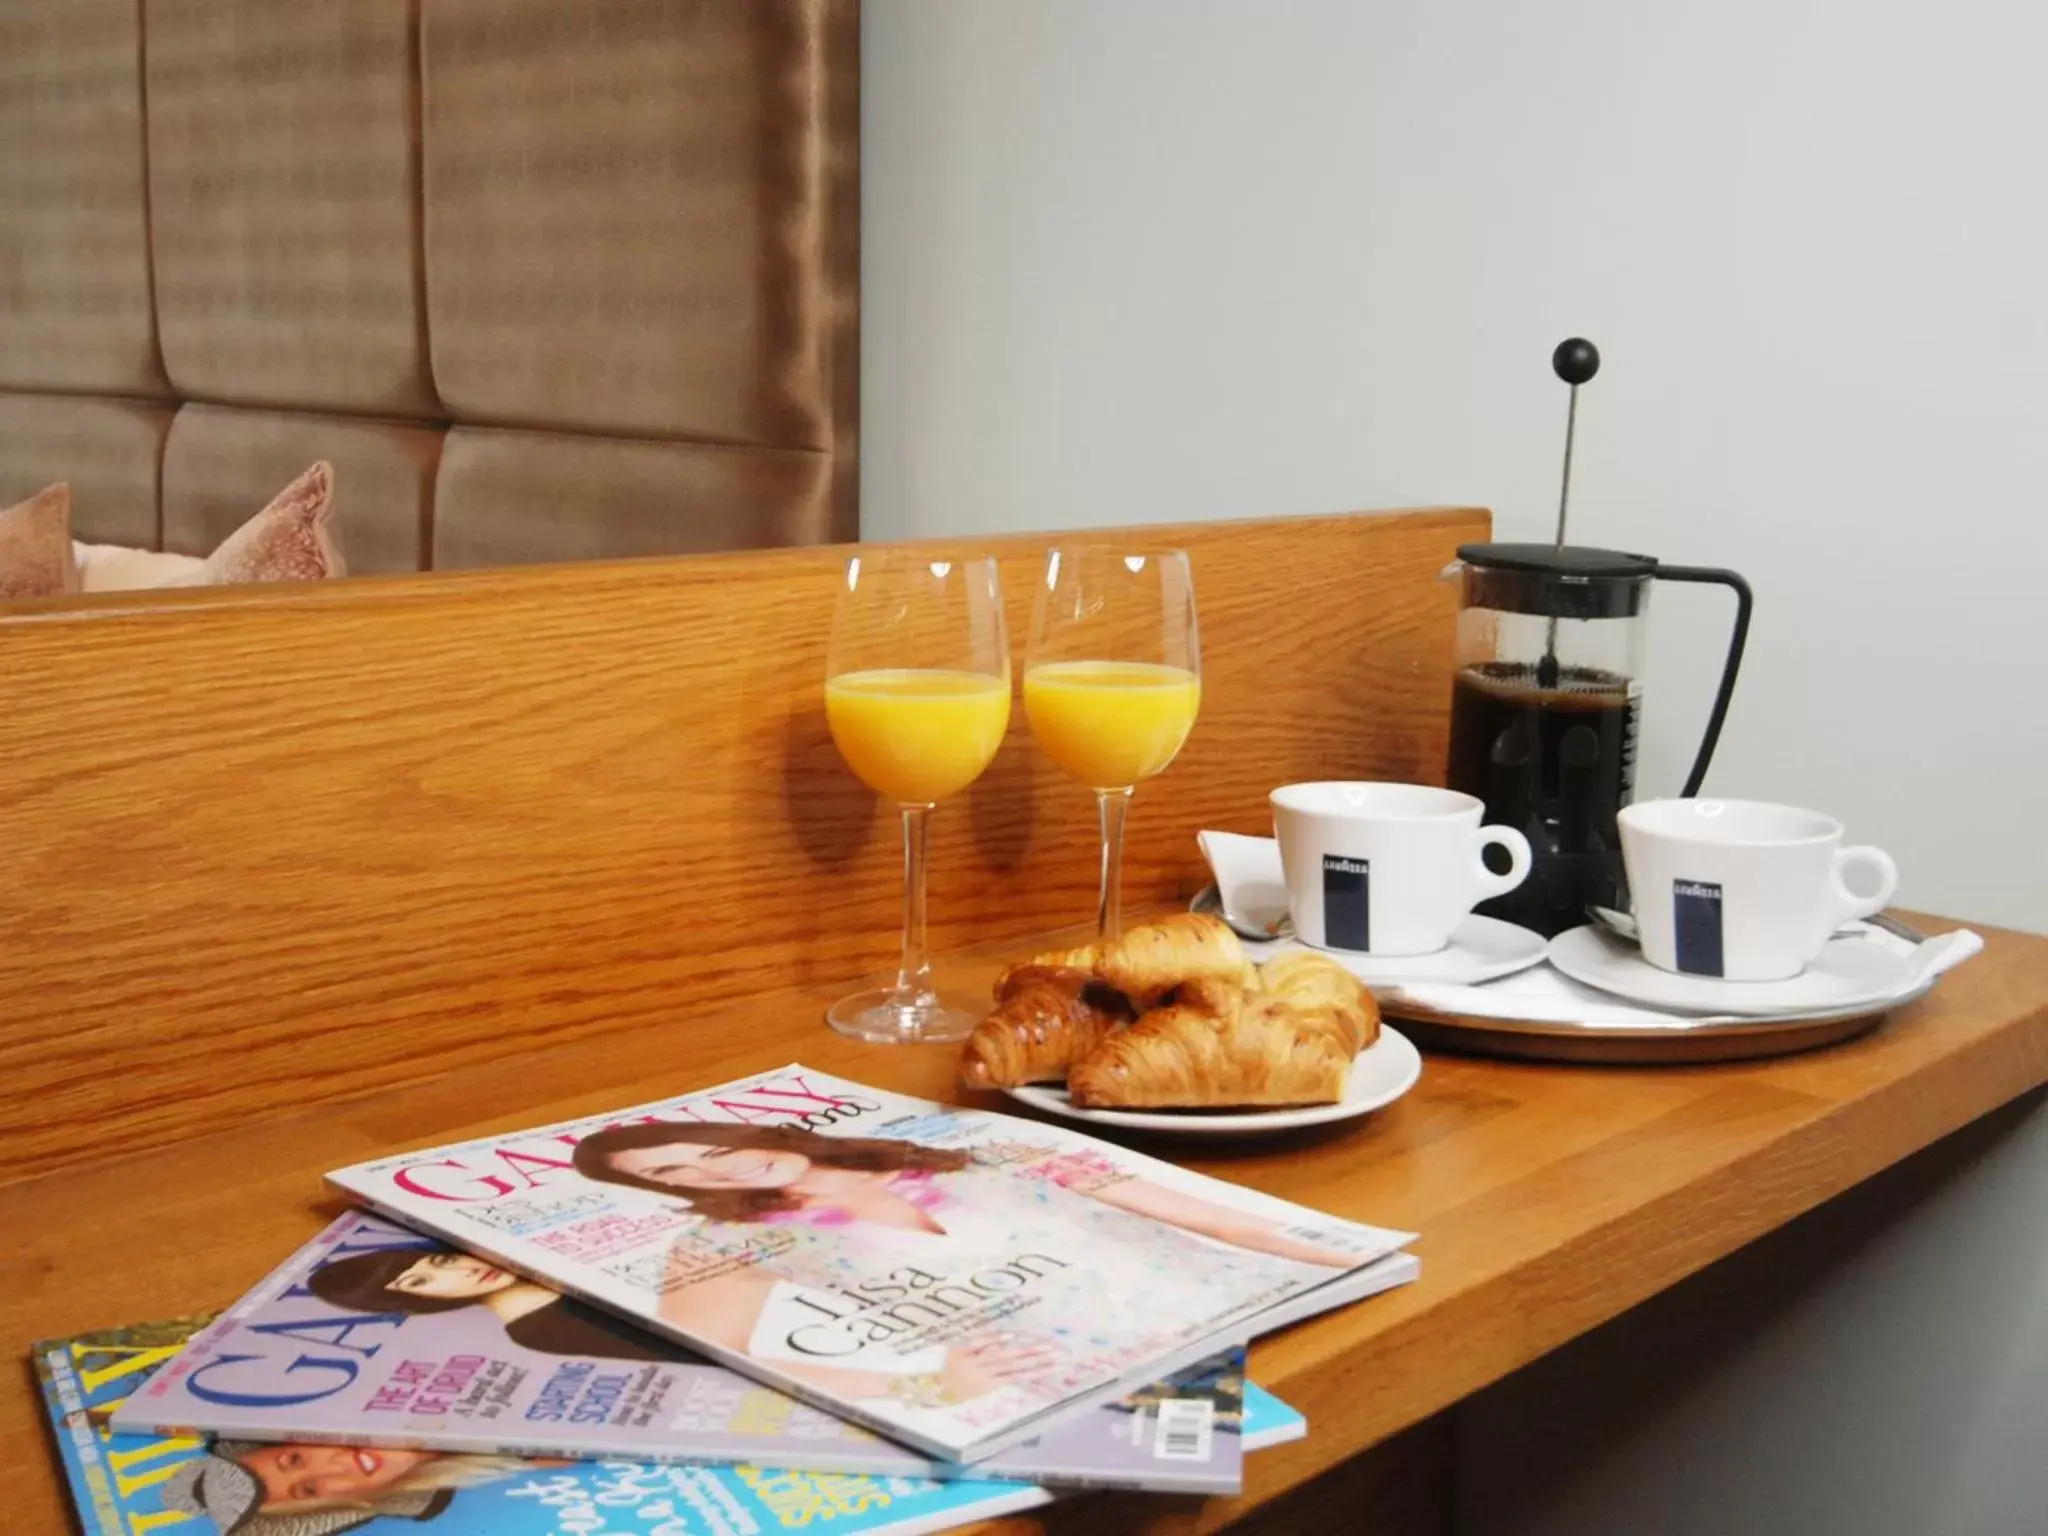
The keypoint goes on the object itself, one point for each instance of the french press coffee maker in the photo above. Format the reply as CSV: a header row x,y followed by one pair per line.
x,y
1546,705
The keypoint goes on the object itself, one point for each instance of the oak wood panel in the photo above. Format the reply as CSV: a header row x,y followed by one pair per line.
x,y
261,845
1549,1198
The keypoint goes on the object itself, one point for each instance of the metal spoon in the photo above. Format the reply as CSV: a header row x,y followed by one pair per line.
x,y
1210,900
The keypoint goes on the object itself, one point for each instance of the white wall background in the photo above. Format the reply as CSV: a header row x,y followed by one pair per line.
x,y
1169,259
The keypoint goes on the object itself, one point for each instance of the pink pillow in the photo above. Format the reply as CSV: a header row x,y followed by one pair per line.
x,y
287,541
35,545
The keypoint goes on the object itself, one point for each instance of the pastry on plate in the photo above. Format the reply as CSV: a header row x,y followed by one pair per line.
x,y
1314,982
1046,1018
1153,959
1217,1047
1211,1028
1082,959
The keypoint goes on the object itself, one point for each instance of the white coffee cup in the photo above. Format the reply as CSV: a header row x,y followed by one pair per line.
x,y
1742,889
1387,869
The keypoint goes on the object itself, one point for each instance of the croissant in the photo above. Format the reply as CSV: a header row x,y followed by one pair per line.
x,y
1151,960
1219,996
1046,1018
1254,1050
1313,983
1082,959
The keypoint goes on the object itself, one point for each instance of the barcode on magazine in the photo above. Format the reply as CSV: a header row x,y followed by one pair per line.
x,y
1186,1426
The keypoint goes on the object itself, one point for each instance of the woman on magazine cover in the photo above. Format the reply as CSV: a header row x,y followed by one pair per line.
x,y
322,1490
421,1280
854,1202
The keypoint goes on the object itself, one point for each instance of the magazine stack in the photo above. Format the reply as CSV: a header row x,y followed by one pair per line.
x,y
790,1300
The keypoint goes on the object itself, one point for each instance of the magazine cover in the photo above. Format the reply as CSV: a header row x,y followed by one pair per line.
x,y
150,1485
949,1277
373,1334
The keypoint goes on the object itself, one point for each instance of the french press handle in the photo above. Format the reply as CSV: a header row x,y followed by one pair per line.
x,y
1708,576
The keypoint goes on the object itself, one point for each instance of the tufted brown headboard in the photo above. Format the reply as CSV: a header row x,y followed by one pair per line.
x,y
544,281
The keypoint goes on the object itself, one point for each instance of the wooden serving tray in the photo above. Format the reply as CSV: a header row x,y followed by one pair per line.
x,y
1549,1040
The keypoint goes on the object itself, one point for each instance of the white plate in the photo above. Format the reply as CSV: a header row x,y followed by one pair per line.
x,y
1545,999
1481,949
1382,1072
1847,975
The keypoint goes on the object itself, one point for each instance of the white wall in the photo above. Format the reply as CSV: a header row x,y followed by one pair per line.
x,y
1151,259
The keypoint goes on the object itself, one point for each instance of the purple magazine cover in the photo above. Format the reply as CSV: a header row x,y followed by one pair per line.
x,y
374,1334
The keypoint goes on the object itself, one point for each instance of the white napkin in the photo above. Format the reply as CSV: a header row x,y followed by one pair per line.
x,y
1248,878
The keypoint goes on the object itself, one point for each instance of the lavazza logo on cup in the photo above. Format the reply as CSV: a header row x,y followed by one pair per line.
x,y
1696,926
1347,902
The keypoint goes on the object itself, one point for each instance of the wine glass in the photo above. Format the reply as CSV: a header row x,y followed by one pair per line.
x,y
1112,680
917,694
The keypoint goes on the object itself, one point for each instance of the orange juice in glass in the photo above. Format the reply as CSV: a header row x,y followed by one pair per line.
x,y
917,696
1111,724
1113,681
917,735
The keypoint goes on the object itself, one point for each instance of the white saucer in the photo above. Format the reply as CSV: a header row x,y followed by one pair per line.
x,y
1382,1072
1844,976
1481,949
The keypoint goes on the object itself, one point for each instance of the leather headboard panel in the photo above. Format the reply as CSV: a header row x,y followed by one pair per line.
x,y
612,246
693,315
566,497
74,237
282,163
110,450
222,466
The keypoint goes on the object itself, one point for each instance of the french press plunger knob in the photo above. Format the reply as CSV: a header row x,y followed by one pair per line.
x,y
1575,361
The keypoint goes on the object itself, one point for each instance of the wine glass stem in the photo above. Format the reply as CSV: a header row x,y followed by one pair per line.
x,y
914,980
1111,804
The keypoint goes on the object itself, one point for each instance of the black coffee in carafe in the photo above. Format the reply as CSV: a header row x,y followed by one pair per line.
x,y
1546,708
1557,763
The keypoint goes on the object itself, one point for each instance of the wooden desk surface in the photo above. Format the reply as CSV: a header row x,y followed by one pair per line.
x,y
1549,1198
